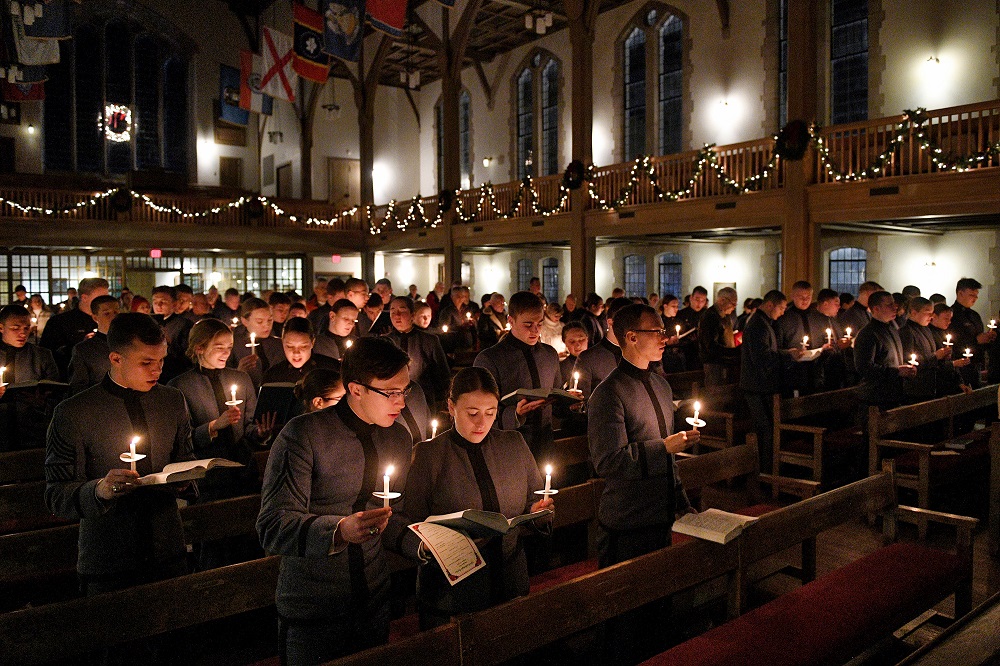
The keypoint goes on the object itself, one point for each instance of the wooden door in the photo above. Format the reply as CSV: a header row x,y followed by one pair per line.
x,y
285,181
345,182
231,172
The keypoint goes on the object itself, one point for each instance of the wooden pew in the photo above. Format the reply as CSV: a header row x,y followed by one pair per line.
x,y
684,384
833,618
993,528
722,410
806,426
19,466
921,466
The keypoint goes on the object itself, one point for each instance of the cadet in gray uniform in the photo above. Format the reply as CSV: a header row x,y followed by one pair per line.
x,y
89,362
428,363
23,419
597,361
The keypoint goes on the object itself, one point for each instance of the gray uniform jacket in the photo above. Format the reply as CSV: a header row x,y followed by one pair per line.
x,y
22,421
428,363
595,364
89,363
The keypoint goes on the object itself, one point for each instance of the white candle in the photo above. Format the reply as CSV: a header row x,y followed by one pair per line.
x,y
913,360
993,323
385,485
968,353
444,328
253,343
548,480
506,328
3,369
233,389
468,315
349,343
434,428
34,320
236,322
829,335
805,342
947,340
677,329
697,408
131,450
576,381
848,331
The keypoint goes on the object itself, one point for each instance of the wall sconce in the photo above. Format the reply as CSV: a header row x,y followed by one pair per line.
x,y
31,128
275,137
487,161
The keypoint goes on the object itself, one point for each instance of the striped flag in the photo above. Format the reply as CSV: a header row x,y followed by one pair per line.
x,y
310,61
251,96
387,15
277,53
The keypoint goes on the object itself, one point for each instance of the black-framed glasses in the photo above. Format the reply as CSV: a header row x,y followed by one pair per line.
x,y
662,331
389,394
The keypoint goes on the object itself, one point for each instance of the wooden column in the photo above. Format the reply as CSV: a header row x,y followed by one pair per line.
x,y
799,238
581,15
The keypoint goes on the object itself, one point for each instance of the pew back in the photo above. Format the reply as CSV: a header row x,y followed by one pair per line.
x,y
19,466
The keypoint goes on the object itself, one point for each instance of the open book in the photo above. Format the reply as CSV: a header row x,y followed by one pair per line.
x,y
810,354
47,385
712,525
186,471
279,398
553,394
484,523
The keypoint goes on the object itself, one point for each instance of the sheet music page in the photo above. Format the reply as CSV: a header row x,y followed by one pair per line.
x,y
456,554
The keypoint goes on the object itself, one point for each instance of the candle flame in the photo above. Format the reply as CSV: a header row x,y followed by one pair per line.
x,y
434,423
445,328
135,440
389,470
233,388
848,331
548,469
576,375
349,343
697,406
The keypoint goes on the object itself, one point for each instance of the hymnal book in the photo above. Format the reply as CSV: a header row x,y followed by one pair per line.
x,y
186,471
279,398
41,384
810,354
484,523
455,553
553,394
712,525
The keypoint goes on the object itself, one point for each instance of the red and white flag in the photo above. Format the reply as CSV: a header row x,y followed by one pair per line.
x,y
278,53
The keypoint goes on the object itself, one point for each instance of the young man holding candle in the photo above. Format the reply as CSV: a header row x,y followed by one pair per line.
x,y
519,361
128,536
936,374
598,361
318,512
337,333
428,363
716,342
969,330
24,416
72,326
175,326
89,362
830,371
632,445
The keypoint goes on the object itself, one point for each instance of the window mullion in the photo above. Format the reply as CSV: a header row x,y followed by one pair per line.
x,y
652,89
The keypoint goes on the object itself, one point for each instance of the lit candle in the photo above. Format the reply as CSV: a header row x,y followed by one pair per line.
x,y
548,480
385,485
468,315
947,340
968,353
233,390
253,343
697,408
349,343
805,342
236,322
913,360
677,329
576,381
993,324
848,331
34,320
444,328
506,328
829,335
3,369
434,428
131,451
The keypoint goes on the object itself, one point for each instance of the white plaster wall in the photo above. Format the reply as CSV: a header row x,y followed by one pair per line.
x,y
350,264
406,269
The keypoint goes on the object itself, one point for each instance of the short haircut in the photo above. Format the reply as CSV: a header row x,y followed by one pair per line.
x,y
801,285
826,295
938,298
458,289
372,358
251,304
232,291
899,299
469,380
317,383
756,303
612,307
353,283
748,302
727,293
774,297
298,306
918,303
524,302
298,325
138,302
13,310
573,326
628,318
96,304
385,282
968,283
553,309
880,298
420,307
846,298
911,290
164,289
202,333
335,285
90,285
129,327
869,287
699,290
183,289
20,287
342,303
406,301
668,298
941,307
279,298
374,301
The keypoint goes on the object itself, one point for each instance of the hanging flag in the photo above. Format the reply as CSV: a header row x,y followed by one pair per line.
x,y
46,20
387,15
251,97
310,61
279,79
15,72
343,22
229,97
32,51
23,92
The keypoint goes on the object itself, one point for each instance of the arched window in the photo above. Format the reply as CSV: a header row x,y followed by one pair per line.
x,y
635,275
550,279
847,269
653,69
848,61
525,270
537,121
670,274
464,140
117,62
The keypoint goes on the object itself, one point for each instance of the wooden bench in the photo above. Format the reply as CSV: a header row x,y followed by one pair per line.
x,y
922,466
19,466
809,426
833,618
685,384
722,410
993,527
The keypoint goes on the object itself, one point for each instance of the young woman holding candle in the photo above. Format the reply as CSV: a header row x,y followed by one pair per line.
x,y
473,466
255,357
297,342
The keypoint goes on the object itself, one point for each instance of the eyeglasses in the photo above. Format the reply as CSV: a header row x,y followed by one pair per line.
x,y
661,331
389,394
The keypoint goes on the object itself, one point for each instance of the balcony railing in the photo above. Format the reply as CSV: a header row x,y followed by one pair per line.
x,y
954,139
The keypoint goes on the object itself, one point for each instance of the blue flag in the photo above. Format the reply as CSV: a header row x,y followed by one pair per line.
x,y
229,97
45,20
343,27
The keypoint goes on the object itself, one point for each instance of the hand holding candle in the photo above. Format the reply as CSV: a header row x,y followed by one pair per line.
x,y
677,330
805,342
848,331
829,335
234,401
968,353
913,360
132,457
548,492
694,421
993,325
253,343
